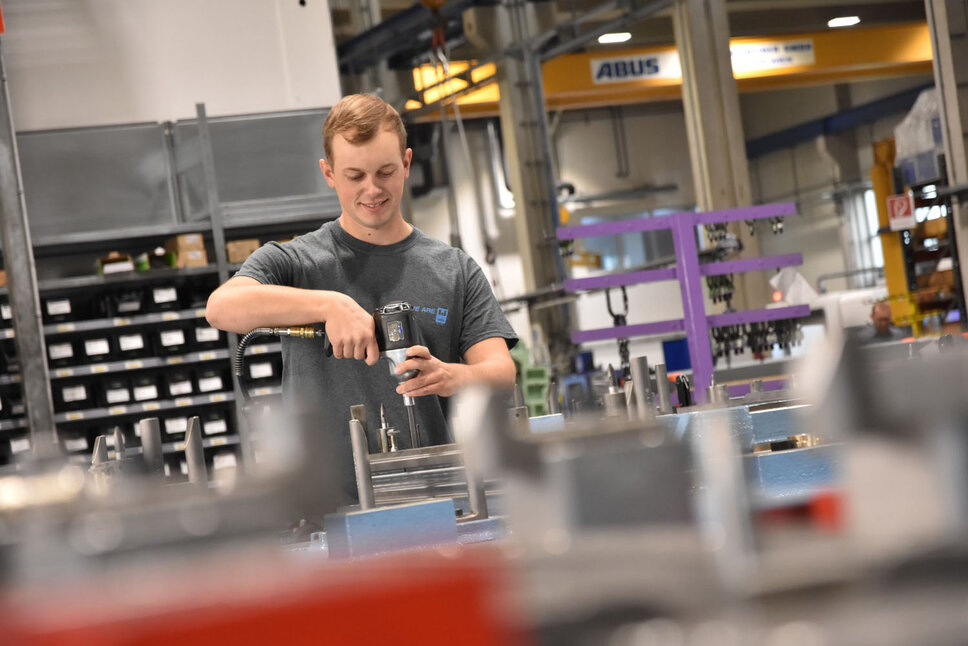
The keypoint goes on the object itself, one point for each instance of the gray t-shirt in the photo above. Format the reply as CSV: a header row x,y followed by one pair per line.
x,y
869,334
454,304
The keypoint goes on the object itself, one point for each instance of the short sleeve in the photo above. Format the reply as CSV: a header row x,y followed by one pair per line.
x,y
483,318
270,264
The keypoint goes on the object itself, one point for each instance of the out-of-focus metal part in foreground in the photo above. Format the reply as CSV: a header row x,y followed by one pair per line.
x,y
361,465
614,400
195,454
151,445
642,386
662,386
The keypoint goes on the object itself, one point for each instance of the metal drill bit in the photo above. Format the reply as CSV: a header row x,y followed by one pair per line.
x,y
384,428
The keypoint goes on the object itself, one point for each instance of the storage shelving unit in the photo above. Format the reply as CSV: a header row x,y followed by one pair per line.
x,y
191,176
689,272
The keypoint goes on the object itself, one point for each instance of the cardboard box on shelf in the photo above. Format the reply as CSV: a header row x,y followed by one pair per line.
x,y
185,241
937,228
944,278
114,263
239,250
3,277
189,250
191,258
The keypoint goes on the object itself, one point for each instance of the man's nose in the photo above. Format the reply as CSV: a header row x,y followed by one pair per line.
x,y
370,185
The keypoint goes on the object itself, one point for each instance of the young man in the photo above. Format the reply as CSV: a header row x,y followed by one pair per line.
x,y
369,257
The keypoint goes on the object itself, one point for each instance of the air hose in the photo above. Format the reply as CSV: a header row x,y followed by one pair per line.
x,y
298,332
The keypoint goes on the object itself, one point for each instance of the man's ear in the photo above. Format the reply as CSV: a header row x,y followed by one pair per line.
x,y
327,172
407,158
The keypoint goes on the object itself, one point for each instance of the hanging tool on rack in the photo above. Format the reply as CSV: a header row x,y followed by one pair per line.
x,y
620,319
721,289
729,340
776,225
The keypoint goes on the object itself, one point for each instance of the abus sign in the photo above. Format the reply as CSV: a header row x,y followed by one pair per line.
x,y
619,69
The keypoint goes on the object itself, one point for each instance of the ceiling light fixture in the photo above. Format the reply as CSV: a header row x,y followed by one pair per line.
x,y
843,21
617,37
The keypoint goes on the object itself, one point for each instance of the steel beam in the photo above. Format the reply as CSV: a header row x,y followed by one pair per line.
x,y
18,260
222,264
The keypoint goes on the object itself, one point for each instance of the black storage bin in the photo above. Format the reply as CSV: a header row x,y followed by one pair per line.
x,y
72,395
178,383
61,352
115,391
171,340
95,347
174,428
261,369
60,308
8,357
159,298
211,380
76,440
145,388
214,422
16,405
126,302
206,337
133,344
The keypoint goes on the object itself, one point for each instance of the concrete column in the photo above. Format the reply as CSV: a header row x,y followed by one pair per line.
x,y
717,145
948,21
512,27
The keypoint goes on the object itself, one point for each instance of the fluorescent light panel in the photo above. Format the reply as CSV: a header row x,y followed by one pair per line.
x,y
617,37
843,21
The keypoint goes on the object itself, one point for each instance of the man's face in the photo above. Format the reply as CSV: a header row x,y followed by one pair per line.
x,y
368,179
881,317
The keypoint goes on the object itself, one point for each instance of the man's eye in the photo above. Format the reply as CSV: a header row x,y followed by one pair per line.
x,y
385,173
355,178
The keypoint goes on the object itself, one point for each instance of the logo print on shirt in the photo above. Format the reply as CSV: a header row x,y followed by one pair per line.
x,y
441,315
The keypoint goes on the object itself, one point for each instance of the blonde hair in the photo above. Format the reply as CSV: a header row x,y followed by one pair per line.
x,y
358,118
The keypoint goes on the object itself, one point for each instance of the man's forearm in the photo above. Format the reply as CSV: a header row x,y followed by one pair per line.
x,y
497,372
242,308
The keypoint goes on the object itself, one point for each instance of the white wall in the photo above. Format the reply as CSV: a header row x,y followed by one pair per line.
x,y
89,62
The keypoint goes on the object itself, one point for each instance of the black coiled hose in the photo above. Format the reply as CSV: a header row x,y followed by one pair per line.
x,y
299,332
238,361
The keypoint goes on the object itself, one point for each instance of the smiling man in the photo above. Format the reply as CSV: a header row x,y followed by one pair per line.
x,y
368,257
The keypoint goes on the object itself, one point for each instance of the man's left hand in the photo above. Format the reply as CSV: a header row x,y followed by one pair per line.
x,y
435,376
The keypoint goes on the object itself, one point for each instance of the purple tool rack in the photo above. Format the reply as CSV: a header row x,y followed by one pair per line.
x,y
689,272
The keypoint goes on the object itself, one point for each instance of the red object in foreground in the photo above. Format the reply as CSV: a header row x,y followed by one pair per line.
x,y
420,598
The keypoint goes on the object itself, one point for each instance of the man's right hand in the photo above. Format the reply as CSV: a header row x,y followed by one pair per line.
x,y
351,330
243,303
